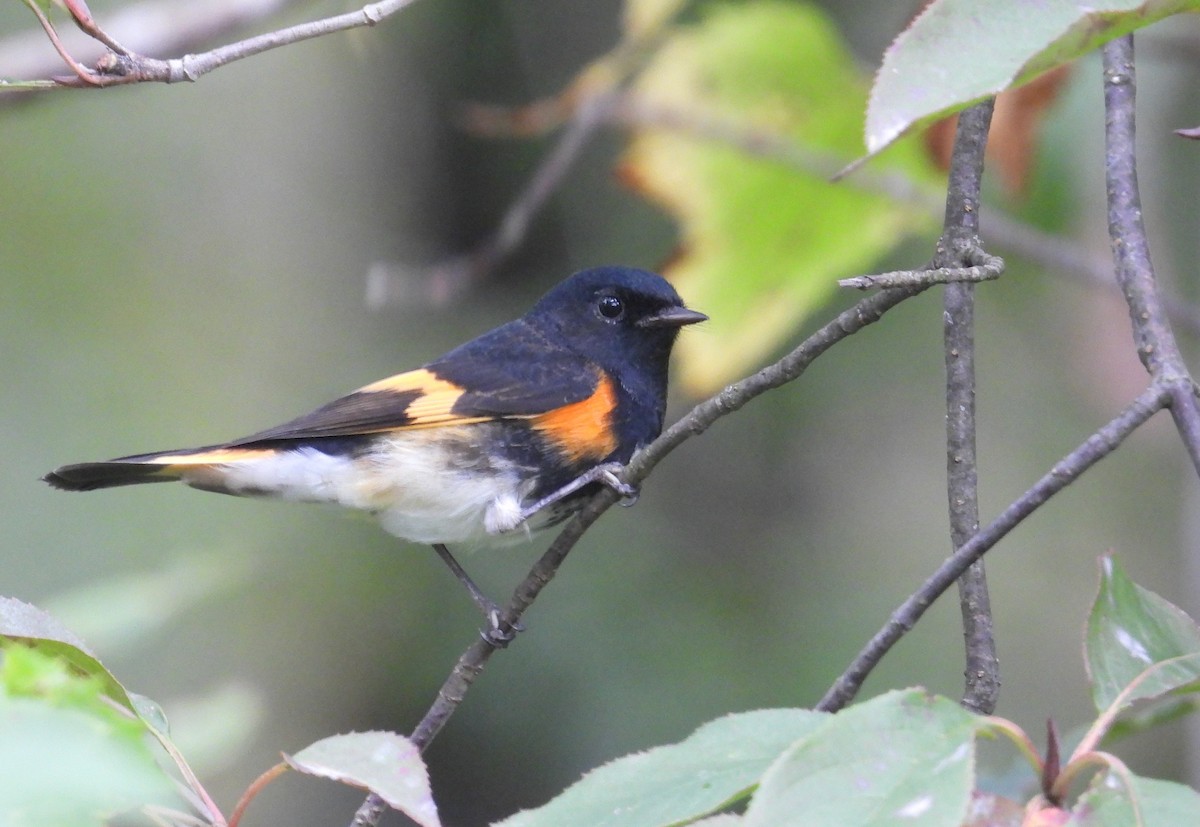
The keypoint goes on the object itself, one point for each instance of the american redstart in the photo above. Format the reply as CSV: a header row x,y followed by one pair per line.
x,y
507,433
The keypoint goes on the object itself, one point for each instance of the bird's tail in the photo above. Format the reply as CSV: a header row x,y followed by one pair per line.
x,y
88,476
164,466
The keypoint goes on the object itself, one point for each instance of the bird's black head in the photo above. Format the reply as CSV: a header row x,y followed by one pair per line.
x,y
623,319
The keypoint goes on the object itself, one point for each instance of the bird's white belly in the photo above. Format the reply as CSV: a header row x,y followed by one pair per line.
x,y
422,489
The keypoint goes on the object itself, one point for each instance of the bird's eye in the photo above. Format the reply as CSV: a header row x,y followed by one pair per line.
x,y
611,307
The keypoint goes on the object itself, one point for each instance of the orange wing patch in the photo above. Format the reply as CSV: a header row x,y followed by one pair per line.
x,y
583,430
420,379
433,406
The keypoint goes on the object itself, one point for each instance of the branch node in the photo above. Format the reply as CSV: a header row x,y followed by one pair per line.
x,y
114,65
373,14
182,69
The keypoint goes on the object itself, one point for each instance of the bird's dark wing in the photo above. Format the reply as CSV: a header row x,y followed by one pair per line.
x,y
511,372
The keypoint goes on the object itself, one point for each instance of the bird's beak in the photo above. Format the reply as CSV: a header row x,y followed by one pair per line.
x,y
672,317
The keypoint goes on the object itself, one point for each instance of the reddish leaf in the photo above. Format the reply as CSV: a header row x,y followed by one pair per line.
x,y
1016,124
80,11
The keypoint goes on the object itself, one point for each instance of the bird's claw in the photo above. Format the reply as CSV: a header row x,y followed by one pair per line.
x,y
609,476
499,633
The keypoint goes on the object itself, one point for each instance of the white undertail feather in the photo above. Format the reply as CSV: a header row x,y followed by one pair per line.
x,y
418,488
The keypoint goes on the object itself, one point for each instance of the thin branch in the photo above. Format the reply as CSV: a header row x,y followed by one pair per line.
x,y
192,67
81,72
82,15
369,812
584,109
114,68
980,267
639,113
452,276
154,26
472,661
961,232
1152,331
790,367
1096,447
256,787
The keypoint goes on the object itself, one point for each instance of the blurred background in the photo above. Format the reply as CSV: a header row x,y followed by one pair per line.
x,y
182,265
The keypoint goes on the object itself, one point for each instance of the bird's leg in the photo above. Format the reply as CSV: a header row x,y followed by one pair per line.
x,y
607,474
497,633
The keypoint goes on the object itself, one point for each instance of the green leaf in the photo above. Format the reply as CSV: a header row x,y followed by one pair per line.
x,y
1151,717
905,757
763,237
387,764
67,755
37,630
1138,645
27,624
1108,803
28,672
957,52
714,766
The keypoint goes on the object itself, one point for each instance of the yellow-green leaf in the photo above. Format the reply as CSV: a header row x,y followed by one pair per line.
x,y
763,241
644,16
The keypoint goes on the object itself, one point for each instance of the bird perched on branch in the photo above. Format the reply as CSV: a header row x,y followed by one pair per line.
x,y
507,433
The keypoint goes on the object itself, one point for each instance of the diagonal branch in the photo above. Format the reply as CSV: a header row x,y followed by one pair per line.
x,y
1096,447
452,276
81,71
589,106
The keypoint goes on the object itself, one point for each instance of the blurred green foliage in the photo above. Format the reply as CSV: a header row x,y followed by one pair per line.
x,y
68,756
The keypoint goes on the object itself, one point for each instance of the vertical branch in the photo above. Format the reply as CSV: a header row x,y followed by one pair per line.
x,y
1152,333
960,234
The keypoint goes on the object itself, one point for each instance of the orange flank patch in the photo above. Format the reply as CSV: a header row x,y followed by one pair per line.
x,y
214,457
583,429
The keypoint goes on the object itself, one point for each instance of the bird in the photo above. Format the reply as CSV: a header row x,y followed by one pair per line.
x,y
506,434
